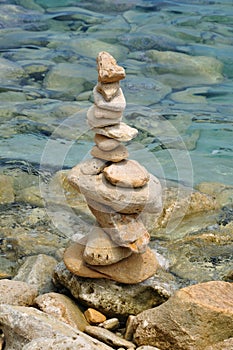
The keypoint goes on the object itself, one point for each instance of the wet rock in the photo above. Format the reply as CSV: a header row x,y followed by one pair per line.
x,y
148,90
177,69
223,193
22,324
37,272
62,308
10,71
203,256
16,293
31,195
108,337
202,313
6,190
111,298
68,77
94,317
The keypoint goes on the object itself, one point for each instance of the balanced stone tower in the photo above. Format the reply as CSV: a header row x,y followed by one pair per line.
x,y
117,191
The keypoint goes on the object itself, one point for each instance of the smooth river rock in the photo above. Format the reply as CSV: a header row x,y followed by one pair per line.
x,y
115,155
127,173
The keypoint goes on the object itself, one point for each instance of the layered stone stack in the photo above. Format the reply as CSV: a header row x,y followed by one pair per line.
x,y
116,189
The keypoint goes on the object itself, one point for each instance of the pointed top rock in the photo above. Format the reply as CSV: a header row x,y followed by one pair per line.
x,y
108,69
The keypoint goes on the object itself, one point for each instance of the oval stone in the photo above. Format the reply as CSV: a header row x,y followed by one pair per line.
x,y
127,173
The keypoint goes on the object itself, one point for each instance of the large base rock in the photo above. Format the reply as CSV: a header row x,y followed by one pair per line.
x,y
112,298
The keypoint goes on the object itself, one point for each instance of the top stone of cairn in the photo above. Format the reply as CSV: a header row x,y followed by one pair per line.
x,y
108,69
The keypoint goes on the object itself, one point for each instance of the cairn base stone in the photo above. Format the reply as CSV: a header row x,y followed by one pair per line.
x,y
134,269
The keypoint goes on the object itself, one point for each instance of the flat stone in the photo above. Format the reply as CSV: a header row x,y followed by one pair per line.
x,y
108,337
116,155
73,259
123,200
121,132
109,90
108,69
126,230
101,250
202,315
105,143
16,293
94,316
62,308
92,166
105,113
127,173
134,269
117,103
94,122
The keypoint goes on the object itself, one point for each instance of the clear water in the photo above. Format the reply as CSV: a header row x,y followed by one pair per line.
x,y
43,121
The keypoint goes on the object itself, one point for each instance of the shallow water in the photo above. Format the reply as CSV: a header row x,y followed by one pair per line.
x,y
43,42
178,58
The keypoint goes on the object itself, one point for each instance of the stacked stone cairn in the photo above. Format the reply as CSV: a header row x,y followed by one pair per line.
x,y
116,189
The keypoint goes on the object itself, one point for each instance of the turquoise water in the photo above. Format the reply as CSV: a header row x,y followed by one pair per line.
x,y
178,58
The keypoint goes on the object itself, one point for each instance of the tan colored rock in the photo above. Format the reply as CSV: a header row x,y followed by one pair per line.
x,y
94,122
23,326
101,250
92,166
111,324
116,155
193,318
125,230
123,200
226,344
127,173
105,113
105,143
108,337
109,90
93,316
108,69
121,132
73,259
16,293
62,308
134,269
117,103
